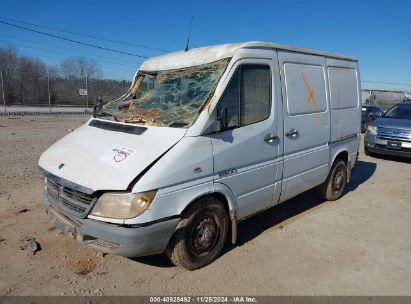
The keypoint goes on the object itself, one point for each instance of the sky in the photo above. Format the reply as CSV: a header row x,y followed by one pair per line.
x,y
378,33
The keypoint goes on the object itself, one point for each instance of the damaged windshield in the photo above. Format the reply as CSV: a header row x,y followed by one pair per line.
x,y
168,98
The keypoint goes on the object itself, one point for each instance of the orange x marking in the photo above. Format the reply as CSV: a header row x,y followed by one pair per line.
x,y
310,97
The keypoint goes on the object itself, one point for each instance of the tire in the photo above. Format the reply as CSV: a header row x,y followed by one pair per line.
x,y
363,127
333,186
368,152
190,247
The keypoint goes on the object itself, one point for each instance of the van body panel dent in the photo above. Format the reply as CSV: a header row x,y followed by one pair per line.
x,y
97,159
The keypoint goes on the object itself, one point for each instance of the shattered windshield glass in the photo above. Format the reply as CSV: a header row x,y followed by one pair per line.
x,y
168,98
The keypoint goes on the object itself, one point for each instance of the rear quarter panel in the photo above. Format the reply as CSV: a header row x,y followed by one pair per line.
x,y
345,103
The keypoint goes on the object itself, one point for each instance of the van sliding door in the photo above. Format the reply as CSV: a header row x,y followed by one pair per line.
x,y
306,122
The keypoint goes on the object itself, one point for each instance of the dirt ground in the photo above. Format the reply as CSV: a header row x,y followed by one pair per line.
x,y
358,245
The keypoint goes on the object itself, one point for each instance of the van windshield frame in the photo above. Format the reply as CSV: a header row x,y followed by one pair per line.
x,y
168,98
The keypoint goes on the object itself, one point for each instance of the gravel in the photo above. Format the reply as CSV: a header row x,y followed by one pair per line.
x,y
358,245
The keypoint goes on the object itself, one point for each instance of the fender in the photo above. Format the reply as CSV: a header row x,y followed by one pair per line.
x,y
337,152
232,206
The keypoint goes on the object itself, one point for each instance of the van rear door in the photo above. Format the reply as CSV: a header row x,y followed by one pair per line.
x,y
306,122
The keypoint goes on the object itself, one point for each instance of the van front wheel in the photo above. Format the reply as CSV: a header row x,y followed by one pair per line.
x,y
333,186
200,235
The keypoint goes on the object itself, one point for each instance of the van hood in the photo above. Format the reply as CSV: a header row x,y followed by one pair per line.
x,y
103,155
394,123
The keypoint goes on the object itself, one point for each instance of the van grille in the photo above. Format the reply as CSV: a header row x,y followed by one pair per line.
x,y
72,201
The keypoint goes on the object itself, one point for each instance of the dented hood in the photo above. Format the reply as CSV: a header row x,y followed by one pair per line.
x,y
103,155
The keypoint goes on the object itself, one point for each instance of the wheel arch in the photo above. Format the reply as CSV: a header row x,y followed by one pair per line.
x,y
226,197
344,155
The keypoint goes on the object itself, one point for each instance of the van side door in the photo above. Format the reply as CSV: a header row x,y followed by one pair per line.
x,y
246,154
306,122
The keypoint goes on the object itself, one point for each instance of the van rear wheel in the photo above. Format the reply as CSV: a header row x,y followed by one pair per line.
x,y
333,186
200,235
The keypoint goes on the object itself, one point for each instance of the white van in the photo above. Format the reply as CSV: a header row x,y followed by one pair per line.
x,y
203,139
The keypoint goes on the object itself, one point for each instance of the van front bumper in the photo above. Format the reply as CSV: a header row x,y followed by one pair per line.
x,y
143,240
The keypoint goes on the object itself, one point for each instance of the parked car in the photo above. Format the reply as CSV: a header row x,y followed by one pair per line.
x,y
203,139
368,114
391,133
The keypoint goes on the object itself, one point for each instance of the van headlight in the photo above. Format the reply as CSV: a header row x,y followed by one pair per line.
x,y
122,205
372,130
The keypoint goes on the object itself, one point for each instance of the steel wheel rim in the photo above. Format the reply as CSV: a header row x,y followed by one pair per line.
x,y
204,234
338,179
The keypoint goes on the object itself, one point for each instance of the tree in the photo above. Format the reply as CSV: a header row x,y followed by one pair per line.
x,y
25,80
76,71
30,84
80,68
8,65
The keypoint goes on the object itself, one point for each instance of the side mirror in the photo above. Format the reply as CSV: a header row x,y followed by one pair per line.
x,y
98,107
221,122
373,116
95,111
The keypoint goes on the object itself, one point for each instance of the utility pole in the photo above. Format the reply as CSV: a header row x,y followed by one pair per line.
x,y
2,90
87,93
48,88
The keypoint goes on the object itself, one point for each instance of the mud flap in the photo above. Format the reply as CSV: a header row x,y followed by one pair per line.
x,y
348,171
233,227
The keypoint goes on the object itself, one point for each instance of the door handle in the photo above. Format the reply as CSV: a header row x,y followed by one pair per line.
x,y
270,137
292,133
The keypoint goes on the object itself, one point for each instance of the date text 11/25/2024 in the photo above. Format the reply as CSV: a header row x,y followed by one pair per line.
x,y
204,299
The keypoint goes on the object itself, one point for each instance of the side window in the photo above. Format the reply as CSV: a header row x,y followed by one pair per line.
x,y
230,101
247,98
305,88
255,98
343,87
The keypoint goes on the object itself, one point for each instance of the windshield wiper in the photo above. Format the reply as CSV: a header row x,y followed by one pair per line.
x,y
178,124
104,113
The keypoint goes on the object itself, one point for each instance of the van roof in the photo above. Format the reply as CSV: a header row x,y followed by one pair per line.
x,y
203,55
